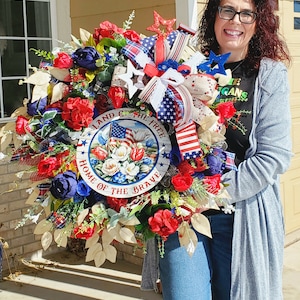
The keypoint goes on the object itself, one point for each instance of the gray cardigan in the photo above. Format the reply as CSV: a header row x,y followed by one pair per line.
x,y
258,238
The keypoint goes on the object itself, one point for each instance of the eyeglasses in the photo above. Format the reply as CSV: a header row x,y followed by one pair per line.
x,y
246,17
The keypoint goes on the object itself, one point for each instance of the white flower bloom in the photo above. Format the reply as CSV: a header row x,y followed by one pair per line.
x,y
130,170
29,191
228,209
20,174
121,153
145,168
35,218
110,167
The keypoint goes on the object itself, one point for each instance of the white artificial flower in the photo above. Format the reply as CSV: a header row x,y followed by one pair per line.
x,y
110,167
130,170
20,174
30,191
121,153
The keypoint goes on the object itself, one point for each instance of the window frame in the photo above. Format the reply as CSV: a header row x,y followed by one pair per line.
x,y
27,39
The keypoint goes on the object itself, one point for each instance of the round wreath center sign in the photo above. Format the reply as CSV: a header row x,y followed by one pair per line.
x,y
123,153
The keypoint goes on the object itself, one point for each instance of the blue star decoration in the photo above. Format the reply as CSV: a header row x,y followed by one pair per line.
x,y
215,64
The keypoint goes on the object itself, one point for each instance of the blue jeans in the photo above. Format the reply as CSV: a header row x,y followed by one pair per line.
x,y
205,275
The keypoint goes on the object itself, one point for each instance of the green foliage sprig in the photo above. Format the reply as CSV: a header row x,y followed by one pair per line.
x,y
43,53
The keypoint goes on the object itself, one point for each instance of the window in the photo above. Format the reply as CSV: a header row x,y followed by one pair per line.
x,y
297,19
24,24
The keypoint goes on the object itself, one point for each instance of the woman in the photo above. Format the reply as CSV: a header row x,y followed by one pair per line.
x,y
244,258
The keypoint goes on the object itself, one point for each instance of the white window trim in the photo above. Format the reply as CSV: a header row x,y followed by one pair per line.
x,y
187,13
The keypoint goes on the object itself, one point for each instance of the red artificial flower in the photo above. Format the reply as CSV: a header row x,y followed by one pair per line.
x,y
137,153
57,105
132,36
212,183
63,61
117,96
225,110
185,168
78,113
163,223
106,30
47,166
182,182
83,232
116,203
99,152
22,125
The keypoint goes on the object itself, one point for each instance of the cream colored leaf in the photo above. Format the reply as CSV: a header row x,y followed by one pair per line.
x,y
39,92
33,196
82,216
84,35
128,235
42,227
92,240
60,237
58,73
6,139
110,253
201,224
187,238
17,141
92,251
130,222
99,258
38,78
69,230
76,41
115,233
106,237
58,92
95,208
20,111
46,240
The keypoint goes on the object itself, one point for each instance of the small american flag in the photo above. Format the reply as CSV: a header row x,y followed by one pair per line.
x,y
230,164
120,135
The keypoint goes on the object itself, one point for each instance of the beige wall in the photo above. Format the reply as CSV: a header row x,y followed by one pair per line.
x,y
89,13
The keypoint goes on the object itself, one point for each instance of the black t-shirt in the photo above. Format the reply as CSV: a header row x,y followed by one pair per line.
x,y
240,90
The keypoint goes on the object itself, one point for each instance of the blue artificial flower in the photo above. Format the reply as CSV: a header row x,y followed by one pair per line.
x,y
86,57
147,161
78,198
175,156
94,198
119,177
216,162
64,185
37,107
83,189
93,162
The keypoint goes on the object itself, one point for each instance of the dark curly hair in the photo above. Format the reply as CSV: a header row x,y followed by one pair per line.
x,y
266,41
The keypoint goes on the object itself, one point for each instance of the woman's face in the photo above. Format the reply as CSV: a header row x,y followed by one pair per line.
x,y
232,35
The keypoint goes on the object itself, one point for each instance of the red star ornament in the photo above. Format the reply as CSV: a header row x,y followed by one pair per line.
x,y
158,20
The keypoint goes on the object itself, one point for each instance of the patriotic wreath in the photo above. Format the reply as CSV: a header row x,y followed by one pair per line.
x,y
124,138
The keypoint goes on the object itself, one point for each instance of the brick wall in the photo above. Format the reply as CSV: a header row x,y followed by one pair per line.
x,y
22,242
